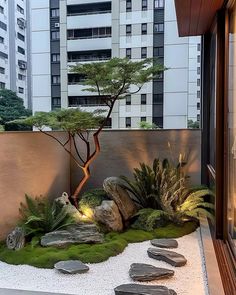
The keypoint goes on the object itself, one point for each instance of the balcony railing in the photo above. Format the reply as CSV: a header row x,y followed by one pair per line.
x,y
88,58
89,37
88,13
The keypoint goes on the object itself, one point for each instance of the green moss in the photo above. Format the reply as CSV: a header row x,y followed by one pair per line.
x,y
113,245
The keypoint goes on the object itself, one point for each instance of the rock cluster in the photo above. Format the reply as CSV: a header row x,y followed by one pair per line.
x,y
16,239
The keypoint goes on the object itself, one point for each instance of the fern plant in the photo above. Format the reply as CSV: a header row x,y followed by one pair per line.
x,y
40,216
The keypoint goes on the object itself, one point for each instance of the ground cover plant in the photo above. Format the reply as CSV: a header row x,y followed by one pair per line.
x,y
114,244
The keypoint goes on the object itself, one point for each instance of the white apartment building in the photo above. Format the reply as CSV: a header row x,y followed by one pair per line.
x,y
66,32
15,48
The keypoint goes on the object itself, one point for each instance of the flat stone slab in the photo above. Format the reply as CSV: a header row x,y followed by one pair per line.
x,y
165,243
71,267
135,289
170,257
75,234
146,272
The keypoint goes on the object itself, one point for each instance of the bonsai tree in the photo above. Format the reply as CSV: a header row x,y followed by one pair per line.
x,y
111,81
11,108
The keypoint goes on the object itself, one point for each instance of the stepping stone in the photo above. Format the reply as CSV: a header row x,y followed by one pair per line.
x,y
145,272
165,243
135,289
170,257
71,267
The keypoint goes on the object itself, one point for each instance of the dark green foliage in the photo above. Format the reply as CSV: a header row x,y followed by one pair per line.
x,y
12,108
39,216
149,219
114,244
90,200
163,187
193,125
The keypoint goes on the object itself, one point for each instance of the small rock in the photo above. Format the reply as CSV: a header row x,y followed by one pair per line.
x,y
170,257
165,243
120,196
74,234
135,289
108,214
145,272
71,267
16,239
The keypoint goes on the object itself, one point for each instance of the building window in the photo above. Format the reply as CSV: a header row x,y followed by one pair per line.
x,y
159,28
3,55
128,53
198,106
56,57
198,82
2,85
199,47
20,90
20,9
198,94
3,26
159,4
55,12
144,29
55,35
158,51
1,40
102,32
157,98
158,121
2,70
160,76
21,77
2,9
21,50
56,103
128,29
144,52
21,37
21,23
144,5
128,5
128,122
128,100
56,80
143,99
143,119
198,117
198,58
198,70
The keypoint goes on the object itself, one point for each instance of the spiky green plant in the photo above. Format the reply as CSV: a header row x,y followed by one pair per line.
x,y
40,216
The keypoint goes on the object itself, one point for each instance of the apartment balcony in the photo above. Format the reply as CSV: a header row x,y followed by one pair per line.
x,y
89,21
87,44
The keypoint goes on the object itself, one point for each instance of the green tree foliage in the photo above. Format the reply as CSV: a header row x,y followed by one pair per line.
x,y
193,125
40,216
147,125
111,80
11,108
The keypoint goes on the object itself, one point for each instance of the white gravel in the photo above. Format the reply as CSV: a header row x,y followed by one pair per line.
x,y
102,278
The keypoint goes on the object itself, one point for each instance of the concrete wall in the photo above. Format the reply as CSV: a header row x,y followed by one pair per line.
x,y
123,150
33,163
30,163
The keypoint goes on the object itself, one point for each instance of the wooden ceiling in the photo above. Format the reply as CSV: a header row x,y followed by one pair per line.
x,y
195,16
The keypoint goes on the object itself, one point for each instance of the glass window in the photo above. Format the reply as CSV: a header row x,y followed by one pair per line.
x,y
128,52
56,79
2,85
128,29
20,9
144,52
21,50
128,122
144,29
128,5
159,28
198,70
198,106
143,98
144,5
159,4
158,51
198,82
55,57
55,35
2,70
20,90
128,99
1,40
143,119
55,12
1,9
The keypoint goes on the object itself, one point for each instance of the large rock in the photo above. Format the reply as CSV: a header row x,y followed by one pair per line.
x,y
71,267
75,234
65,202
135,289
108,214
165,243
16,239
170,257
120,196
145,272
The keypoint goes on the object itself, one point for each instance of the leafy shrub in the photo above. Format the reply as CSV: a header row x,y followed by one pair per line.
x,y
90,200
149,219
163,187
40,216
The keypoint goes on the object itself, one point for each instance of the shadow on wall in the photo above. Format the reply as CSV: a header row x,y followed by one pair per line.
x,y
123,150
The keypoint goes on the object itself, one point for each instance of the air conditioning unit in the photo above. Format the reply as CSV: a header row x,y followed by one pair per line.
x,y
57,25
22,64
